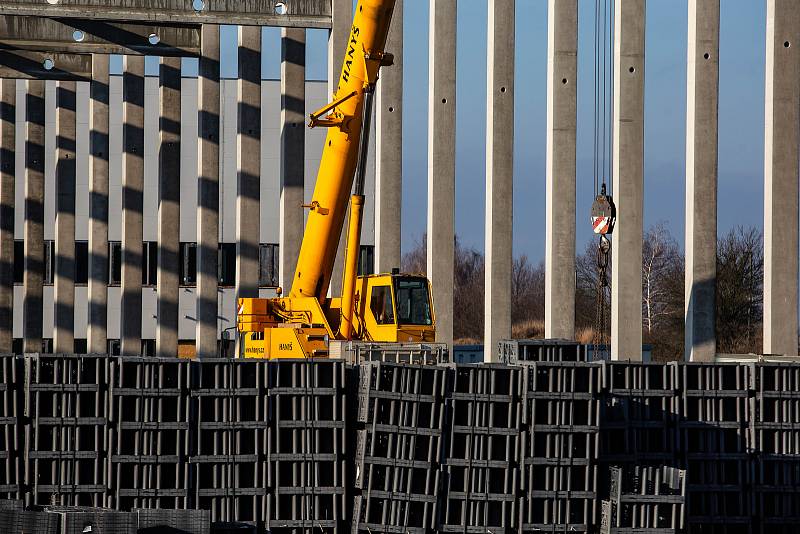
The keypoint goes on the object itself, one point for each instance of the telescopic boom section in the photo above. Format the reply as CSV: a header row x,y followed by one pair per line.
x,y
363,58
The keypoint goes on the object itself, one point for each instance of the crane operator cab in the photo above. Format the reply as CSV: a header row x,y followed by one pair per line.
x,y
389,308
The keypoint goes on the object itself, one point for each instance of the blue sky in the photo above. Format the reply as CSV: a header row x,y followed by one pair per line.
x,y
741,114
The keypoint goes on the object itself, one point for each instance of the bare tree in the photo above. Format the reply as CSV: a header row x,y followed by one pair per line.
x,y
660,259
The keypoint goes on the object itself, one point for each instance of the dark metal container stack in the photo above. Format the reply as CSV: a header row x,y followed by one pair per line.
x,y
149,433
307,446
716,443
400,439
160,521
11,432
66,403
229,457
645,500
512,351
776,433
481,461
80,520
561,408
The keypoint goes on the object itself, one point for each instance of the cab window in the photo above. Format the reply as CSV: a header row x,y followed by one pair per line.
x,y
381,304
413,302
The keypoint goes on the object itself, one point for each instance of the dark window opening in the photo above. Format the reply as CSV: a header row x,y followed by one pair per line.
x,y
148,347
366,260
413,302
80,346
114,347
150,263
19,263
188,262
49,262
381,305
81,266
226,264
114,263
268,258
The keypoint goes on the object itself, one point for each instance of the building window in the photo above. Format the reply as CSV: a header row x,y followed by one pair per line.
x,y
150,263
114,347
114,263
19,261
268,258
366,260
226,264
80,346
148,347
49,262
47,346
188,261
81,265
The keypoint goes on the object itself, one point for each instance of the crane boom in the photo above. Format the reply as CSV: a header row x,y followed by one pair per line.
x,y
362,60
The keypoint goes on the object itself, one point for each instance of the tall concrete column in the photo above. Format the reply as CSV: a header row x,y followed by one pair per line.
x,y
132,204
248,156
98,206
389,151
341,22
781,136
702,91
208,193
8,110
499,175
562,105
33,276
442,162
64,316
293,100
169,192
628,180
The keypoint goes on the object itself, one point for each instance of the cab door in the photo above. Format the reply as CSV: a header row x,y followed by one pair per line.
x,y
381,315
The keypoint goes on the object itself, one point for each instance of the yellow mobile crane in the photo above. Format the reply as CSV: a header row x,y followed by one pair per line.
x,y
385,307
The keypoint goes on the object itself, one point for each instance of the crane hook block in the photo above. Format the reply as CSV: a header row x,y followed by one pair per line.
x,y
604,213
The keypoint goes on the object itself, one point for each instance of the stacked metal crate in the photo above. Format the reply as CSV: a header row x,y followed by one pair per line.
x,y
66,403
79,520
230,438
776,433
11,432
149,433
561,407
481,461
14,519
401,418
307,446
512,351
645,500
159,521
716,444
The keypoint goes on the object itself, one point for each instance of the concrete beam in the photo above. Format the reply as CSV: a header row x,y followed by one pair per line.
x,y
702,93
33,232
628,180
132,204
441,162
499,176
295,13
208,194
8,107
341,22
98,206
64,316
562,105
293,100
24,64
169,192
389,151
248,151
81,36
781,137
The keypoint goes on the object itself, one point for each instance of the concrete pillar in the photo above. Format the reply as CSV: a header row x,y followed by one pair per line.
x,y
499,176
64,316
293,100
169,191
782,121
132,204
208,193
389,151
33,276
248,151
562,104
341,22
441,162
98,206
8,110
628,180
702,90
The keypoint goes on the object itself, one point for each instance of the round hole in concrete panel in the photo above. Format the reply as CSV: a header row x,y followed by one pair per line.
x,y
502,89
564,81
787,44
632,69
78,36
153,39
48,64
198,5
391,109
706,55
444,101
280,8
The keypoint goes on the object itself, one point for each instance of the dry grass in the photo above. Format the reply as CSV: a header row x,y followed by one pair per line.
x,y
533,329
